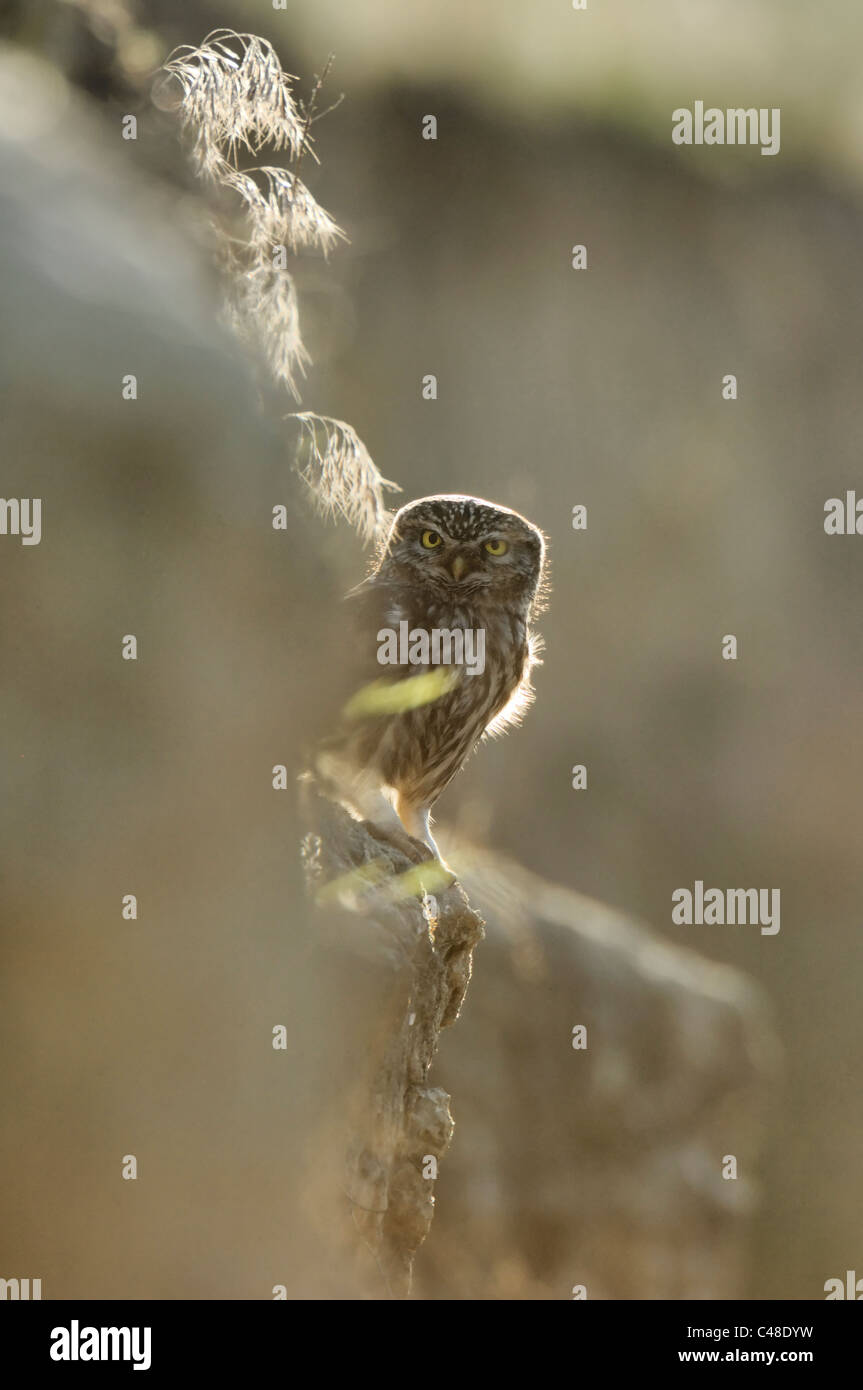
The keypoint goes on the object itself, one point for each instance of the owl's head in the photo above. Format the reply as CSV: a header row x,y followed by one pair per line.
x,y
462,548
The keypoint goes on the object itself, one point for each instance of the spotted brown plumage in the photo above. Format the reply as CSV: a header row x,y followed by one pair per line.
x,y
448,564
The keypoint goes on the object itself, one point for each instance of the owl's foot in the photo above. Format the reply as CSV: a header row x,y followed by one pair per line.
x,y
415,850
438,875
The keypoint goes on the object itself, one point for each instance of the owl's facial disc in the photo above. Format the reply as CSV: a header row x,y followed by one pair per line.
x,y
465,549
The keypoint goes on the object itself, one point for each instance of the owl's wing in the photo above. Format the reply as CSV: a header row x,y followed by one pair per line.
x,y
370,608
351,640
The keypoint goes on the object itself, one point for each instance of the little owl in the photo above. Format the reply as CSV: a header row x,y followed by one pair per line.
x,y
450,565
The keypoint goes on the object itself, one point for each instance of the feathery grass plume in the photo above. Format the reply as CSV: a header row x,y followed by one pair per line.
x,y
335,464
283,211
235,100
262,309
234,97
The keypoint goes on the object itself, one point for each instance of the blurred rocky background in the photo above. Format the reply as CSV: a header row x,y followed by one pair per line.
x,y
555,387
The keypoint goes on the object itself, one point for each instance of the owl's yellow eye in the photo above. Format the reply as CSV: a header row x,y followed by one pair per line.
x,y
431,540
497,547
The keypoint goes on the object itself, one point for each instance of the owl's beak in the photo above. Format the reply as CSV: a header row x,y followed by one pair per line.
x,y
458,567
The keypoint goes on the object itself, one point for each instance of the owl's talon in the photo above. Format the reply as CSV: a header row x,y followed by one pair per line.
x,y
414,850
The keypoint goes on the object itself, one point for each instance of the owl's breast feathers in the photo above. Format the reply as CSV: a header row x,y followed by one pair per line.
x,y
418,746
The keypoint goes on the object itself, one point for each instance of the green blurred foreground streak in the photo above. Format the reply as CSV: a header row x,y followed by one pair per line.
x,y
393,697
